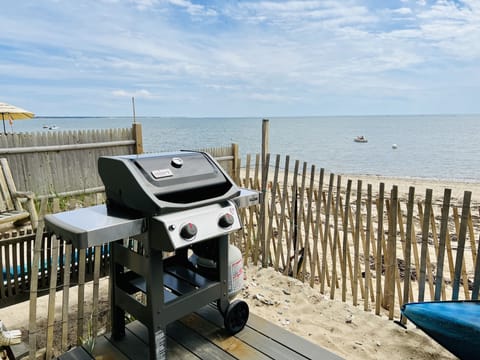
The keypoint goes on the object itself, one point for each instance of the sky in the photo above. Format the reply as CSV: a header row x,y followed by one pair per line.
x,y
225,58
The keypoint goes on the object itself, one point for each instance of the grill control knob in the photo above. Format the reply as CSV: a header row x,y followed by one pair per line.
x,y
226,221
188,231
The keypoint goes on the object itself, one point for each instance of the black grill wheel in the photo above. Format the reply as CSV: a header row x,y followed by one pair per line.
x,y
236,316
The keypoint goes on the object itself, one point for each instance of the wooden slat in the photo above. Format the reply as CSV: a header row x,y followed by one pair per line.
x,y
283,222
106,351
7,186
66,293
345,248
366,254
459,262
326,229
81,294
356,242
51,298
317,230
476,279
196,343
442,241
336,240
230,344
290,341
298,246
34,282
423,257
378,257
2,278
271,212
308,224
289,244
408,247
77,353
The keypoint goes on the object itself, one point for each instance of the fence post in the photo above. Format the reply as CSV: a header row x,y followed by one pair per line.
x,y
263,206
236,164
137,136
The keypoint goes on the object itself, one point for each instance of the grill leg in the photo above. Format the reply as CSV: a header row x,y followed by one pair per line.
x,y
223,272
117,314
155,303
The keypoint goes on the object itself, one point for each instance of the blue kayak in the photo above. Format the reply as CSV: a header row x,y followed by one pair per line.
x,y
453,324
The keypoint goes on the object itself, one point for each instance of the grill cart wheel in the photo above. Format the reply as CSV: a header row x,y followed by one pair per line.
x,y
236,316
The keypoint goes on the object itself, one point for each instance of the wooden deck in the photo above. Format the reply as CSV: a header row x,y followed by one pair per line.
x,y
201,336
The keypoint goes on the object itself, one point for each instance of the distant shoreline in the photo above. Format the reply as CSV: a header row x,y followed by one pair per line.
x,y
438,186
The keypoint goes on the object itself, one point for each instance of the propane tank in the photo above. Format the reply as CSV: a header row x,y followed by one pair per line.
x,y
235,271
208,266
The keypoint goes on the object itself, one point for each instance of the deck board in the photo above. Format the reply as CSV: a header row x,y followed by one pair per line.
x,y
174,349
264,343
200,335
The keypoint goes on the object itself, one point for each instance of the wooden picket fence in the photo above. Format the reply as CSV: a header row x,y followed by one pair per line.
x,y
357,243
65,162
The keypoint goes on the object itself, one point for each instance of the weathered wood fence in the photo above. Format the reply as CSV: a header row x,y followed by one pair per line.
x,y
62,162
358,243
65,162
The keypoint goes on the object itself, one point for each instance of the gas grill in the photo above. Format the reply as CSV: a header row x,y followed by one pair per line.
x,y
173,205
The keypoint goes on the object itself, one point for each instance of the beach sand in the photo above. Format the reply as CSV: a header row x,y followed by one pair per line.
x,y
340,327
421,185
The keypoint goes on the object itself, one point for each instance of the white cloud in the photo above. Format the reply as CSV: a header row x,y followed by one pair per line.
x,y
143,4
193,9
453,28
403,11
137,93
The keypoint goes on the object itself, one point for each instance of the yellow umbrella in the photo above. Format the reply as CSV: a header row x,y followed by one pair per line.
x,y
11,113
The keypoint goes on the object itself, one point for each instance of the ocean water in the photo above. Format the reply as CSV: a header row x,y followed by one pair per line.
x,y
437,147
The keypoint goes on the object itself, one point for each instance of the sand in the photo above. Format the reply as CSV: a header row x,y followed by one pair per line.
x,y
340,327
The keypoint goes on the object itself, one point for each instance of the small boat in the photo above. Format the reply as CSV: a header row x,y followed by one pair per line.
x,y
453,324
53,127
360,139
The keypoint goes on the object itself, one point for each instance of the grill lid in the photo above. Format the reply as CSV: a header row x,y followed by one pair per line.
x,y
154,184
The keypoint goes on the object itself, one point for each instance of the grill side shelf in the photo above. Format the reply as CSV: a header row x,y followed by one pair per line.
x,y
93,226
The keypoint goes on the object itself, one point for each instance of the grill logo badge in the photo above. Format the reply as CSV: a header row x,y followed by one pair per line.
x,y
161,173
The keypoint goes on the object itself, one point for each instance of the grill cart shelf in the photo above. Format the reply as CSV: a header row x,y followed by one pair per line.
x,y
172,204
